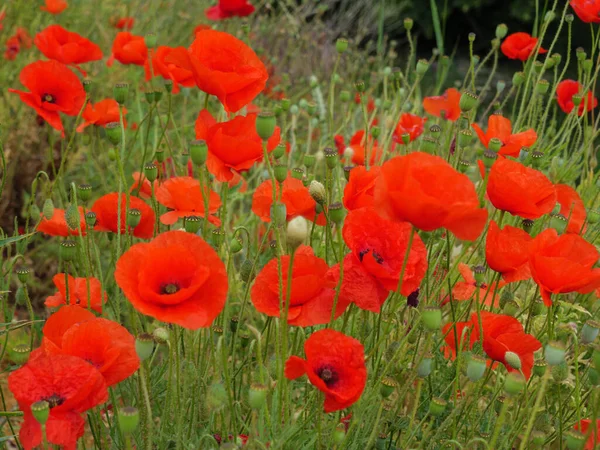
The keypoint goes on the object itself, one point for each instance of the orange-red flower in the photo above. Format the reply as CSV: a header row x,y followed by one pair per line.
x,y
501,334
565,91
359,150
507,252
233,145
225,67
445,106
81,292
295,197
520,190
429,193
145,190
585,424
176,278
14,43
334,364
66,46
229,8
571,207
500,127
53,89
162,66
69,384
520,46
128,48
470,289
107,217
57,224
102,113
311,295
562,264
183,197
124,23
587,10
411,124
378,249
360,190
54,6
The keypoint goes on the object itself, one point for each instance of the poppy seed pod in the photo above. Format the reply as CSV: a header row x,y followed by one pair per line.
x,y
297,231
514,383
422,67
590,331
19,354
408,23
495,144
168,84
41,411
336,213
431,318
575,439
257,395
90,219
113,132
540,367
198,151
468,101
345,96
279,151
278,214
23,274
429,145
87,86
476,367
518,79
144,344
151,172
388,386
309,161
192,224
84,192
464,165
280,171
68,250
297,173
265,124
501,31
437,406
129,419
554,353
339,434
341,45
120,92
542,87
360,86
317,192
558,222
331,157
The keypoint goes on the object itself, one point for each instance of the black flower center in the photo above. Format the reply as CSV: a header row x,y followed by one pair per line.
x,y
328,375
376,256
48,98
169,289
54,400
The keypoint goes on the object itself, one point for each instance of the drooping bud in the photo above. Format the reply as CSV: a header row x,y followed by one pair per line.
x,y
144,346
297,231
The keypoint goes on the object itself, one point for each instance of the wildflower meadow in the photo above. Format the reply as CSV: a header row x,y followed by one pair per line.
x,y
281,224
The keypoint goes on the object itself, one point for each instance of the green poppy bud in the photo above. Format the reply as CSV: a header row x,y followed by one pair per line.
x,y
422,67
161,335
246,271
425,366
501,31
280,171
236,245
590,331
513,360
278,214
278,151
408,23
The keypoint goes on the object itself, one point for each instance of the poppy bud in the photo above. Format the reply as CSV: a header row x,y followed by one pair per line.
x,y
527,225
555,353
297,230
129,419
388,386
513,360
41,411
489,157
265,124
72,217
309,161
539,367
360,86
542,87
431,318
476,367
133,217
336,213
317,192
246,271
280,171
341,45
514,383
90,219
471,36
518,79
501,31
161,335
19,354
236,244
593,216
21,296
587,65
23,274
408,23
463,166
495,144
558,222
120,92
331,157
345,96
422,67
468,101
144,343
68,250
297,173
168,84
278,214
437,406
159,155
34,212
425,366
150,40
257,395
429,145
278,151
113,132
285,104
590,331
511,308
347,170
339,434
48,208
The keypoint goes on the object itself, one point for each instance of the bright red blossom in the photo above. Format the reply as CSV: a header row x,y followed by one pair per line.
x,y
571,207
335,364
359,149
57,225
124,23
411,124
565,91
500,127
225,9
594,433
470,289
360,189
587,10
445,106
101,113
507,252
162,66
54,6
78,292
520,46
66,46
184,197
107,217
128,49
176,278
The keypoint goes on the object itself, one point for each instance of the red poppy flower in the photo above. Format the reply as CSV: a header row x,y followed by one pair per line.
x,y
520,46
183,196
124,23
54,89
357,144
66,46
224,66
13,46
370,102
340,144
360,190
470,289
585,425
378,248
520,190
500,128
176,278
411,124
507,252
445,106
587,10
128,49
565,91
107,218
311,295
335,364
225,9
429,193
54,6
232,145
69,384
145,191
562,264
169,70
102,113
294,196
571,207
79,294
57,225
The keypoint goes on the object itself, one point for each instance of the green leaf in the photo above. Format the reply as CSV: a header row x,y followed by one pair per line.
x,y
575,307
10,240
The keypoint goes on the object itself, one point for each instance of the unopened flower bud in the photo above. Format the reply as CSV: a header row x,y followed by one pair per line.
x,y
129,419
150,40
278,151
297,231
265,124
317,192
513,360
144,345
280,171
560,372
518,79
278,214
408,23
246,271
236,245
425,366
161,335
590,331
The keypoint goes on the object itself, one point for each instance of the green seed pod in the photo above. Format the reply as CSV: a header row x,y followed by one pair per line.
x,y
590,331
514,383
429,145
596,357
309,161
19,354
68,250
134,216
113,132
388,386
150,40
21,296
555,353
518,79
90,219
575,439
560,372
161,335
129,419
337,213
144,345
285,104
159,155
246,272
278,214
84,192
279,151
198,152
558,222
511,308
425,366
468,101
408,23
151,172
87,86
168,84
192,224
464,137
265,124
280,171
539,367
542,87
360,86
297,173
347,170
501,31
23,274
341,45
345,96
339,434
120,91
41,411
431,317
422,67
463,166
331,157
476,367
437,406
527,225
257,395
